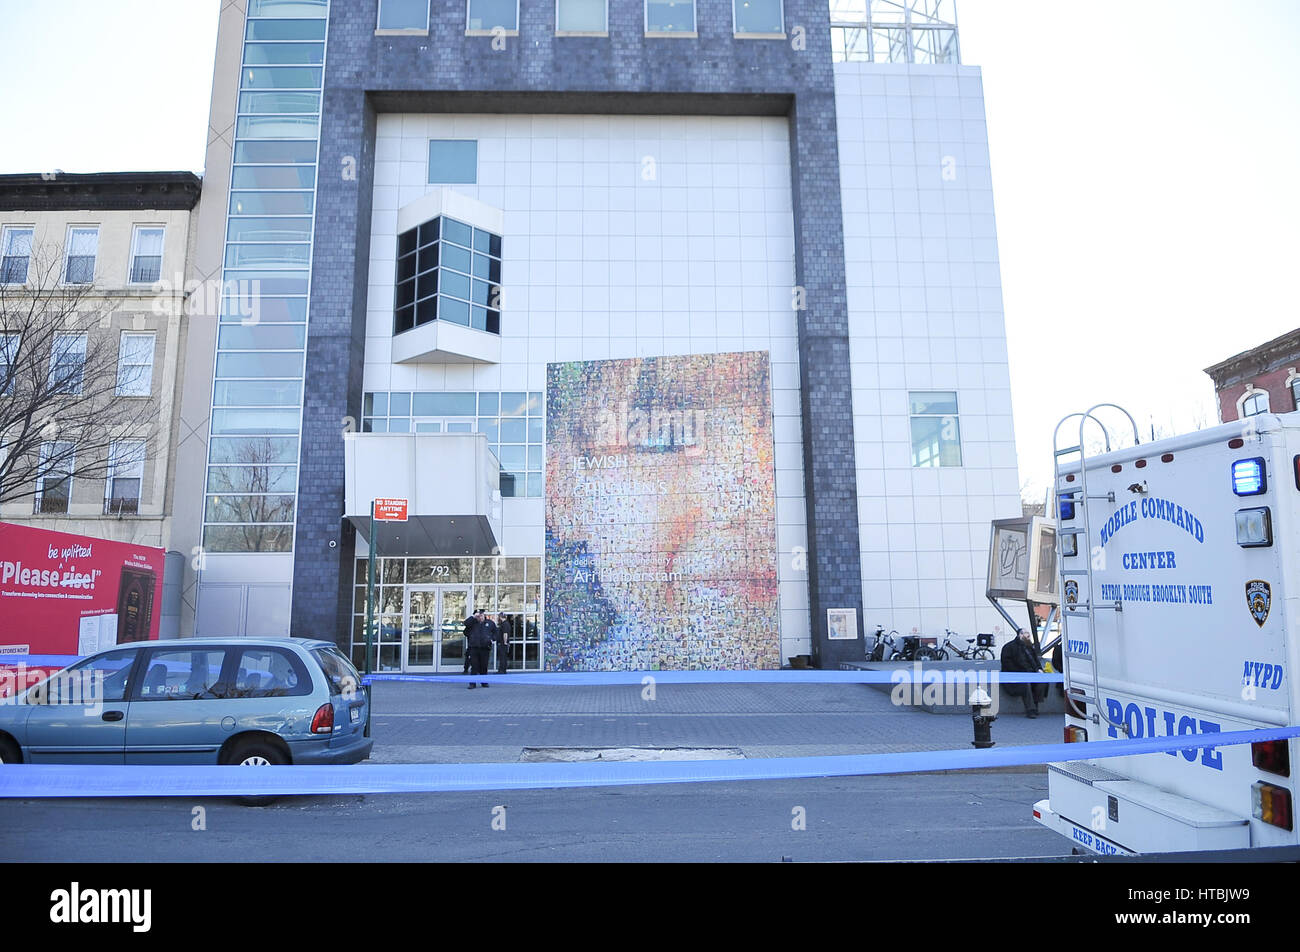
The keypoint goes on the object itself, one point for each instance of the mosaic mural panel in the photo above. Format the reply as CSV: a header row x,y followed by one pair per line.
x,y
661,514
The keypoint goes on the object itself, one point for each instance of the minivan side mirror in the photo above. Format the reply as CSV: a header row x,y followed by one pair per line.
x,y
39,694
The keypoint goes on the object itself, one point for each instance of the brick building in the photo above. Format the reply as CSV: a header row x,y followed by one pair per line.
x,y
1264,379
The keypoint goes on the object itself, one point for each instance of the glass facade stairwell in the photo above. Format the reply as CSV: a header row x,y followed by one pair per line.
x,y
257,394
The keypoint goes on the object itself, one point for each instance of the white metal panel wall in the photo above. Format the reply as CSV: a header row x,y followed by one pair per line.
x,y
925,313
624,236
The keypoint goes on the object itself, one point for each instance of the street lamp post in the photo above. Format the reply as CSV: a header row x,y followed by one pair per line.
x,y
370,595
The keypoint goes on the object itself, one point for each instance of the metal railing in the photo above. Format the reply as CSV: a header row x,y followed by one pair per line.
x,y
894,31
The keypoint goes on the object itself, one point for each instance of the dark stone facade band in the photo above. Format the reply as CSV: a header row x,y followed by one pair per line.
x,y
623,73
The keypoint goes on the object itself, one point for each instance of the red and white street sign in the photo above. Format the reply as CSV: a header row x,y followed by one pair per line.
x,y
390,510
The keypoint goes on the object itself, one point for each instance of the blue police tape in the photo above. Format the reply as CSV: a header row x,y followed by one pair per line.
x,y
27,781
784,676
916,672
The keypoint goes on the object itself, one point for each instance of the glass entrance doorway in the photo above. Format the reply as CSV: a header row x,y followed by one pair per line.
x,y
434,635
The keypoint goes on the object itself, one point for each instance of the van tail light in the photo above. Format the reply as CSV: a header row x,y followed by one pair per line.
x,y
1272,756
323,721
1271,804
1076,735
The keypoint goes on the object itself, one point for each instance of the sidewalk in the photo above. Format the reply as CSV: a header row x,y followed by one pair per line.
x,y
445,723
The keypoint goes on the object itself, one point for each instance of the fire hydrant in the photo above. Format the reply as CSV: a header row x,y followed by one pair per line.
x,y
980,705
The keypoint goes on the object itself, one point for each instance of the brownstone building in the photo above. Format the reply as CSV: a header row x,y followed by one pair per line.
x,y
1265,379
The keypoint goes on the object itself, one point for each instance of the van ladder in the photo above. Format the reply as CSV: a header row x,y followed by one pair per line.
x,y
1083,611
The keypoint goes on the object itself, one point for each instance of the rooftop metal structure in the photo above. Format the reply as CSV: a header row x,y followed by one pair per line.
x,y
894,31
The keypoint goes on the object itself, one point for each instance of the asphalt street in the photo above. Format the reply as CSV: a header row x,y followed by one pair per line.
x,y
954,815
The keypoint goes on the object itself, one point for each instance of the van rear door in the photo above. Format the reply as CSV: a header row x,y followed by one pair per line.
x,y
351,699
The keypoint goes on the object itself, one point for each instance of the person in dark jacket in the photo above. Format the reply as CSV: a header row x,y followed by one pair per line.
x,y
470,623
505,630
480,645
1021,654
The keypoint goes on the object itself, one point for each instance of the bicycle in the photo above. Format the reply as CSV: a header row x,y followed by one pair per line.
x,y
913,650
981,651
885,648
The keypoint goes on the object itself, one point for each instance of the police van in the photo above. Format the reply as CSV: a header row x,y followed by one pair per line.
x,y
1180,596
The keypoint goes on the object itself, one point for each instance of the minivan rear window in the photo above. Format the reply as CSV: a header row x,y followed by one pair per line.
x,y
268,672
342,677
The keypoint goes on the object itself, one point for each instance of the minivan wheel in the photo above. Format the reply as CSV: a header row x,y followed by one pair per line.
x,y
256,754
9,753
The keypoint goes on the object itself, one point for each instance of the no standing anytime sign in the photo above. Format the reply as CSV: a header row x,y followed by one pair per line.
x,y
390,510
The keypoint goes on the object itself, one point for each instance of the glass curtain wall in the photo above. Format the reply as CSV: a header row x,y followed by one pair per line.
x,y
262,338
513,422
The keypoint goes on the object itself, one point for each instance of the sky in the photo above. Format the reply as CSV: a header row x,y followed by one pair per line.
x,y
1146,173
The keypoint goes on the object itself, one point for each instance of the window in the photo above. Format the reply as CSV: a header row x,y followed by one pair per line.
x,y
271,203
512,421
342,677
404,15
249,493
264,672
1254,402
448,271
761,17
8,354
184,675
135,365
252,479
936,434
1295,392
17,255
54,479
670,16
125,475
493,14
83,244
146,255
93,681
286,30
289,8
580,16
453,161
67,363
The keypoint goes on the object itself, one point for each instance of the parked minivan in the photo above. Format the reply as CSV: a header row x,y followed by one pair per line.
x,y
246,701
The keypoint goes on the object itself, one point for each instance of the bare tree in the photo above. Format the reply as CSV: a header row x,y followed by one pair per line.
x,y
1032,504
63,402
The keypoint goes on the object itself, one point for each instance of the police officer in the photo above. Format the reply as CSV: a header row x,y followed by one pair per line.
x,y
480,645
